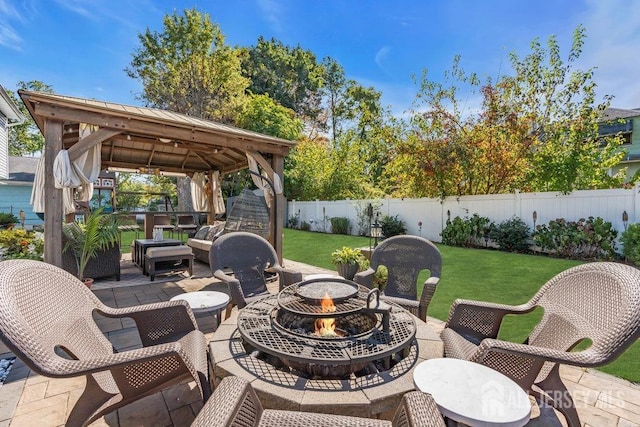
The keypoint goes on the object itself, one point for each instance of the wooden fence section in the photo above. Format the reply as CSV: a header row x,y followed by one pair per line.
x,y
433,213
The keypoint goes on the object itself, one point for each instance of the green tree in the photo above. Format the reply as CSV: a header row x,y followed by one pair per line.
x,y
25,138
536,130
334,89
290,76
187,68
262,114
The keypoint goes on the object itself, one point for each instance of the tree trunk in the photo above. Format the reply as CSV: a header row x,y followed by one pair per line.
x,y
184,194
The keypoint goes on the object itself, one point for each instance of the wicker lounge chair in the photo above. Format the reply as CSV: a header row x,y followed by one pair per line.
x,y
46,319
598,302
405,257
235,403
247,256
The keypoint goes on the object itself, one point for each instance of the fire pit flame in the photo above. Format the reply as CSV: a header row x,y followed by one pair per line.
x,y
326,327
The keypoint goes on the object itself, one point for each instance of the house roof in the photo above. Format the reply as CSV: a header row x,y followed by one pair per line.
x,y
22,169
139,137
619,113
9,108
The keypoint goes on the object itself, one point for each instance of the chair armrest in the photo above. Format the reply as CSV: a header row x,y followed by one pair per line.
x,y
126,359
158,322
418,409
365,278
233,398
586,358
287,277
477,320
428,290
235,290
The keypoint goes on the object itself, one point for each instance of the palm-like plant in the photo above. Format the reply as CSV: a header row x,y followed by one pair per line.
x,y
84,240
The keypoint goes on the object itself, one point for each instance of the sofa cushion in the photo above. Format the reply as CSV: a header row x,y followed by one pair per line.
x,y
201,244
202,233
165,251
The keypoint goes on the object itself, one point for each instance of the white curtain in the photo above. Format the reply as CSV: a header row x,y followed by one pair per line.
x,y
216,190
199,192
37,192
67,178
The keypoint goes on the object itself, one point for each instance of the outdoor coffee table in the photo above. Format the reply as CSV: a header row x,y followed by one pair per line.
x,y
473,394
140,247
205,301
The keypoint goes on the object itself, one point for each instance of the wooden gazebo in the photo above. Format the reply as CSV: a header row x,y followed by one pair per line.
x,y
145,139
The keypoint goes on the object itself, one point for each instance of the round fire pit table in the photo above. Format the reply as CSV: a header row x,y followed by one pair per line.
x,y
376,394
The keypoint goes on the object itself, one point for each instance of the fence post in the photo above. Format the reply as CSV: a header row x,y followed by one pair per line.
x,y
636,204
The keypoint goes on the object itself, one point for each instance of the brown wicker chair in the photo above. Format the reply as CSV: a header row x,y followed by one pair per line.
x,y
46,319
598,302
247,256
405,257
235,403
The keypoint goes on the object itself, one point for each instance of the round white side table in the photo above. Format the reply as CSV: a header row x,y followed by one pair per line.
x,y
473,394
205,301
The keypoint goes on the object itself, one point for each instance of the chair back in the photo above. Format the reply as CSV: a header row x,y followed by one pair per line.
x,y
186,220
43,310
247,255
161,220
598,301
405,257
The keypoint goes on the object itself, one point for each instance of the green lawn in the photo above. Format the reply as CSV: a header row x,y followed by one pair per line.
x,y
485,275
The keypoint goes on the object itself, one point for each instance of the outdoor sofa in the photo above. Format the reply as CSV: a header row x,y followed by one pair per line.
x,y
201,242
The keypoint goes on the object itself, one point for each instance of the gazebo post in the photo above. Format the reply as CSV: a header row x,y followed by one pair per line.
x,y
211,215
277,164
53,205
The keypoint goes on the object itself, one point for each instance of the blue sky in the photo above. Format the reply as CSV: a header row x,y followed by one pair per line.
x,y
81,47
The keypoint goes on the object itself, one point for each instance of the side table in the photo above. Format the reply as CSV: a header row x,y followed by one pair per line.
x,y
473,394
205,301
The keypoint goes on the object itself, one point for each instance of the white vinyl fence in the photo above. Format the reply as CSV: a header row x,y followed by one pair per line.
x,y
433,213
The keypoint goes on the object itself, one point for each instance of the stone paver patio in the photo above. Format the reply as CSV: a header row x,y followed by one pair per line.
x,y
27,399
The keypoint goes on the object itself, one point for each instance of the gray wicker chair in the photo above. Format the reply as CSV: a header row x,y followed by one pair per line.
x,y
247,256
597,301
46,319
405,257
235,403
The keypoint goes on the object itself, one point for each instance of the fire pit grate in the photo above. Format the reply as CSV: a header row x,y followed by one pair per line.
x,y
291,300
259,325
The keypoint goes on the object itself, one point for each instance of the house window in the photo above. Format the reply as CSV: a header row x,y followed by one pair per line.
x,y
623,128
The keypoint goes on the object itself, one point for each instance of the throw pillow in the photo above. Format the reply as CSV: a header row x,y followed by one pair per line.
x,y
202,233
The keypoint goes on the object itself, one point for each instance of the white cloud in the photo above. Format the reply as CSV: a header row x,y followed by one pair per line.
x,y
78,7
272,11
381,57
8,35
613,47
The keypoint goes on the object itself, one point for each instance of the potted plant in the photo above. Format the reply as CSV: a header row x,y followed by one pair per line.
x,y
347,261
99,231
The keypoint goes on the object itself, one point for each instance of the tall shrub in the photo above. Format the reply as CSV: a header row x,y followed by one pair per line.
x,y
590,239
630,239
511,235
467,232
392,226
340,225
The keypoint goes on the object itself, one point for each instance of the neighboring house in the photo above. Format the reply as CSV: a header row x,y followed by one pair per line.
x,y
16,173
622,122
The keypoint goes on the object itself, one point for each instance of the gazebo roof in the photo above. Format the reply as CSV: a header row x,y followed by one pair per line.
x,y
152,139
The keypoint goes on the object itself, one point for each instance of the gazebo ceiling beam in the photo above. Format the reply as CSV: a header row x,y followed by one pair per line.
x,y
90,141
133,124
